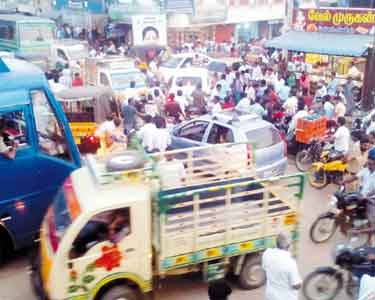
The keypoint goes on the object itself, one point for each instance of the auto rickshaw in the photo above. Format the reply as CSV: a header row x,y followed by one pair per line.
x,y
85,108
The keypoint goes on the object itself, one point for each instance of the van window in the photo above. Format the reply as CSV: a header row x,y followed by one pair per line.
x,y
7,30
263,137
51,136
188,81
13,128
111,226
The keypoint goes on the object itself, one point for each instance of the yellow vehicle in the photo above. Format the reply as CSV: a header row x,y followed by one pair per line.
x,y
87,107
331,168
121,222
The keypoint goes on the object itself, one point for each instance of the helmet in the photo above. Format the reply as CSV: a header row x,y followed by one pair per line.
x,y
371,154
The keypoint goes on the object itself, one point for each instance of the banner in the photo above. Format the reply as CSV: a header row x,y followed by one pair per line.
x,y
351,21
149,30
245,11
209,11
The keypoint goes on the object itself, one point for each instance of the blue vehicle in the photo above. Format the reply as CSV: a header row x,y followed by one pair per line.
x,y
31,118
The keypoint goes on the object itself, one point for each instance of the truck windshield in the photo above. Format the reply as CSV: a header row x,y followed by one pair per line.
x,y
36,33
62,212
78,52
122,80
172,63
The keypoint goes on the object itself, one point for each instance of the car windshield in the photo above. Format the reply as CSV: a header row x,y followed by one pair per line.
x,y
173,62
263,137
122,80
188,81
62,212
36,33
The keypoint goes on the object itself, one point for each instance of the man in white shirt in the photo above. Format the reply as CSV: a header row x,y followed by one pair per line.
x,y
290,105
147,134
172,172
283,278
342,137
367,288
301,113
321,91
257,72
340,108
244,104
353,72
216,106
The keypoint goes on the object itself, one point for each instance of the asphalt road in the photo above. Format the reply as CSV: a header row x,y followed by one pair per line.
x,y
14,281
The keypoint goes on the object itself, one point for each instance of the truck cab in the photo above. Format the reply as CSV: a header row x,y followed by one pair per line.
x,y
30,117
115,73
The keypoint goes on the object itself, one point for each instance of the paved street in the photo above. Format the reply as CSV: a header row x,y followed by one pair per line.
x,y
15,282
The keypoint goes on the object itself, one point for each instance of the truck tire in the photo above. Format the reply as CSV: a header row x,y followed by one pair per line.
x,y
120,292
125,161
252,274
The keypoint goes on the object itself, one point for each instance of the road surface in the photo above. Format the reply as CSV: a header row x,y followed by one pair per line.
x,y
14,281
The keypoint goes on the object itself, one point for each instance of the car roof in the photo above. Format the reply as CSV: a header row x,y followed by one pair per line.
x,y
233,118
198,72
82,92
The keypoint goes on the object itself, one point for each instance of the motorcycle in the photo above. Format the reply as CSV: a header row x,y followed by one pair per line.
x,y
306,157
347,211
326,282
330,168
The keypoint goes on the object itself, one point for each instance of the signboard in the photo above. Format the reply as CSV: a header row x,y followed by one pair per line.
x,y
353,21
149,30
124,9
245,11
209,11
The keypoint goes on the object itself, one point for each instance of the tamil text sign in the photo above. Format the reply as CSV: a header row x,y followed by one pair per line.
x,y
351,21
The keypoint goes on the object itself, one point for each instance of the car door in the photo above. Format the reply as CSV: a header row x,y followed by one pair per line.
x,y
190,134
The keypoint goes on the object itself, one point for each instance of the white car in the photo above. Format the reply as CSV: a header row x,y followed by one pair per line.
x,y
175,63
188,80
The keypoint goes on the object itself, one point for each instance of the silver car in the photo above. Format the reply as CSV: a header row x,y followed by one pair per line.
x,y
231,126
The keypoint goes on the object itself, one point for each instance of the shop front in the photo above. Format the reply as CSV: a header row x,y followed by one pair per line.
x,y
333,40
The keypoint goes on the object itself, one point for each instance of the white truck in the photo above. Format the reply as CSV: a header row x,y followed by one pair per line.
x,y
110,233
116,73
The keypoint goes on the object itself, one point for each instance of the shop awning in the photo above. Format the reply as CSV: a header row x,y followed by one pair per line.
x,y
322,43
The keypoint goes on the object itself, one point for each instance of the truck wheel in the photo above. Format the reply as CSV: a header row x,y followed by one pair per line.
x,y
120,293
252,274
125,161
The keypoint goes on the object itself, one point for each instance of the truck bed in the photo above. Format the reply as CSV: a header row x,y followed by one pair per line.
x,y
224,218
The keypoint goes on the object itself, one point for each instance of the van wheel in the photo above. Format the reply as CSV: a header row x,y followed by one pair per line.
x,y
4,249
120,293
252,274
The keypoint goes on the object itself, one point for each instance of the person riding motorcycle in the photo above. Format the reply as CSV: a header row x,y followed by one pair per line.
x,y
341,138
366,178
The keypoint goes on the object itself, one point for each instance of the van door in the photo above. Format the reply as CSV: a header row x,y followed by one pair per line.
x,y
18,176
56,153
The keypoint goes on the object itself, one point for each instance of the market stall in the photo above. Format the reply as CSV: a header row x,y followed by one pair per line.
x,y
331,40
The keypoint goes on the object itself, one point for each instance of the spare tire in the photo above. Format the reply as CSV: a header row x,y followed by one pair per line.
x,y
125,161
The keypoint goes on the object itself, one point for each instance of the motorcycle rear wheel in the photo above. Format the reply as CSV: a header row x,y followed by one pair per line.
x,y
319,226
317,178
304,160
322,285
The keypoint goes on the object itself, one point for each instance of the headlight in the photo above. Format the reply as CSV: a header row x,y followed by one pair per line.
x,y
333,201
